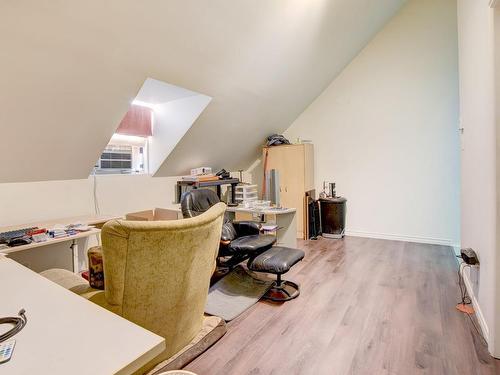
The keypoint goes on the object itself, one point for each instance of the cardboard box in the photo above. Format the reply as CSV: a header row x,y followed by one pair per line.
x,y
155,214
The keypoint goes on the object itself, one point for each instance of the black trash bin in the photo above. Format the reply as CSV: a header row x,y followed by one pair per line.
x,y
333,214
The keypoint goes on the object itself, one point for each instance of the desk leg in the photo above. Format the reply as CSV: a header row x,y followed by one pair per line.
x,y
233,193
287,232
179,193
74,250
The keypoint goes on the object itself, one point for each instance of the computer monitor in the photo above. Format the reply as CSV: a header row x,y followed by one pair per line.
x,y
273,184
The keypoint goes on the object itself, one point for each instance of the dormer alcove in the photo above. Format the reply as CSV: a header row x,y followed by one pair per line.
x,y
158,118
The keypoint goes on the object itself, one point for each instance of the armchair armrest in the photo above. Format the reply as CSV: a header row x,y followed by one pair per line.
x,y
78,285
246,228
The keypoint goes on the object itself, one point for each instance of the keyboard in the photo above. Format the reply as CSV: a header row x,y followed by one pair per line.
x,y
6,237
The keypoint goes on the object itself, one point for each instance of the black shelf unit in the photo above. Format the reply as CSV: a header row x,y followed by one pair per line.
x,y
196,185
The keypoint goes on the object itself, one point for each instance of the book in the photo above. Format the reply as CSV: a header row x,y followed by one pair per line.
x,y
208,178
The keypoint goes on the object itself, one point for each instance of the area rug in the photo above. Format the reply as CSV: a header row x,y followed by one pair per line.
x,y
235,293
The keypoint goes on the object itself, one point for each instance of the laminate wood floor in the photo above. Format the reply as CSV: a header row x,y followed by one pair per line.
x,y
367,306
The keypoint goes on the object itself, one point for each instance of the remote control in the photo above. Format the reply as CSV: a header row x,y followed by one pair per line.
x,y
6,350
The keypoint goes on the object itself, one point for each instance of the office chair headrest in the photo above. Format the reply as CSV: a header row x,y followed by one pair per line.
x,y
197,201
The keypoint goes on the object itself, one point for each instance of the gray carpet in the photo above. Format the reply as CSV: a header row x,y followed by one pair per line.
x,y
234,293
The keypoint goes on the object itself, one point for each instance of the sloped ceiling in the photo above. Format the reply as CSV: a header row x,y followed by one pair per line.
x,y
70,68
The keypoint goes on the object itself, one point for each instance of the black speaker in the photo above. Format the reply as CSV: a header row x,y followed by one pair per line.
x,y
333,214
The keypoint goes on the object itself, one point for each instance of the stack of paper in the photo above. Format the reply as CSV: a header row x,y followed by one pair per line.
x,y
269,228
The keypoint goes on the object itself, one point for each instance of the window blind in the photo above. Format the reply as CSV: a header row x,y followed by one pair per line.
x,y
137,122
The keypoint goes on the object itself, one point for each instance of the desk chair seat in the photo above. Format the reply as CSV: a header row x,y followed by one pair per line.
x,y
254,244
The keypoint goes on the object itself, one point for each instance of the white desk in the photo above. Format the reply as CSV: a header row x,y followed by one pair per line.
x,y
265,211
67,334
284,218
72,240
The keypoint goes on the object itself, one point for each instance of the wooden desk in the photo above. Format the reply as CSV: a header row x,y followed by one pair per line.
x,y
67,334
97,221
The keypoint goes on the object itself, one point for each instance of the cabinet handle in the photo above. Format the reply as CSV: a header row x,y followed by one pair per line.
x,y
286,190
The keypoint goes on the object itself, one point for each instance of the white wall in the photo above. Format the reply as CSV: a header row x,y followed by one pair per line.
x,y
28,202
22,203
495,335
175,109
385,130
171,122
117,194
477,106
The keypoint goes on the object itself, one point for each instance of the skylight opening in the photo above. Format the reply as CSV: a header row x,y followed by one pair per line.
x,y
158,118
143,104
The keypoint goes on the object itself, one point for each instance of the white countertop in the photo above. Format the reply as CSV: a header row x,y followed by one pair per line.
x,y
87,219
90,220
67,334
266,211
50,241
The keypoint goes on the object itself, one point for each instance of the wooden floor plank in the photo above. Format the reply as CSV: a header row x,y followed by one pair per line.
x,y
367,306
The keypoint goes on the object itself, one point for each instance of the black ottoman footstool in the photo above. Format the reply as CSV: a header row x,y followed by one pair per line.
x,y
278,260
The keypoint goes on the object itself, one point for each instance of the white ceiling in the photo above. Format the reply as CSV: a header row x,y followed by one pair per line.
x,y
69,70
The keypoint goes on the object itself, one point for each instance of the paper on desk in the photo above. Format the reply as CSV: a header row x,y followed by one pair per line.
x,y
269,228
80,227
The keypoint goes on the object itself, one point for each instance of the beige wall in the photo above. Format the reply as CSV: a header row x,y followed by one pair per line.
x,y
117,194
22,203
386,130
71,68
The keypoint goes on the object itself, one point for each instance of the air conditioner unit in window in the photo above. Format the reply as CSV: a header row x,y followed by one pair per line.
x,y
116,159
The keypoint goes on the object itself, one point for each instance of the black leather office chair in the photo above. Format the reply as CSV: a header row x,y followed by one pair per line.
x,y
239,240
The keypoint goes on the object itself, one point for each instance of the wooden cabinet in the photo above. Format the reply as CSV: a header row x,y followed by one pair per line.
x,y
295,164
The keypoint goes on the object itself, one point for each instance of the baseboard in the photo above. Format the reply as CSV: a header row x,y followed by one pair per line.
x,y
398,237
479,313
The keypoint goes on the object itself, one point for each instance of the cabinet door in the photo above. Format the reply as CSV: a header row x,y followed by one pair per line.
x,y
289,161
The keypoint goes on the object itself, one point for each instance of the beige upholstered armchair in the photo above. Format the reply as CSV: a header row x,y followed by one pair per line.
x,y
157,275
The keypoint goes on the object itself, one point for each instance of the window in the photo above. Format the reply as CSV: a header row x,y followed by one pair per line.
x,y
127,151
124,155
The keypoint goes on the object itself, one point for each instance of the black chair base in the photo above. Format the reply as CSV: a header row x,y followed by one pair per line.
x,y
278,261
282,291
228,263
